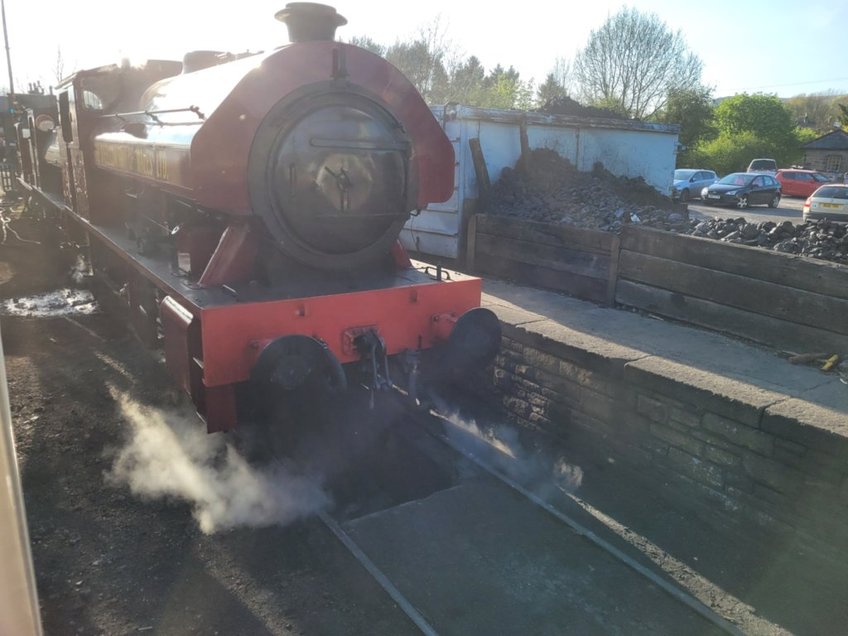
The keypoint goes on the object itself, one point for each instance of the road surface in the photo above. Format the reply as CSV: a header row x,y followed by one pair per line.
x,y
789,210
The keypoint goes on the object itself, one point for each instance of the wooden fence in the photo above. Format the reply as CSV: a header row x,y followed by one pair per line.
x,y
789,302
559,257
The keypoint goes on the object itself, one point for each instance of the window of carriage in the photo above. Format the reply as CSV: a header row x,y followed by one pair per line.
x,y
833,163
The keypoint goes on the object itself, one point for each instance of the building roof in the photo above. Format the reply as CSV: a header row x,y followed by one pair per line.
x,y
836,140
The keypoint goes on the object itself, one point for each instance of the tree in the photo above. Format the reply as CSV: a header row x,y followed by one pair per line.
x,y
751,126
563,74
426,60
550,90
632,63
818,111
763,115
467,82
732,152
59,68
364,42
692,110
421,66
503,88
843,115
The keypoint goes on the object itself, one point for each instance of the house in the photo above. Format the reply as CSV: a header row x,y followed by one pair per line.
x,y
828,153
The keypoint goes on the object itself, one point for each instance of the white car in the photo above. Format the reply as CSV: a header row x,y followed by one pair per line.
x,y
829,201
769,166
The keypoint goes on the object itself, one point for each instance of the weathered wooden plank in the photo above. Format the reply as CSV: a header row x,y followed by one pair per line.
x,y
480,169
761,297
613,270
785,269
471,243
545,233
561,259
766,330
574,284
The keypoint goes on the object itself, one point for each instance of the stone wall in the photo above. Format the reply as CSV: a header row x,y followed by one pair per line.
x,y
744,456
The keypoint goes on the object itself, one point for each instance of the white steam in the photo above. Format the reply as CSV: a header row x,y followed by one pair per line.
x,y
79,270
500,447
170,455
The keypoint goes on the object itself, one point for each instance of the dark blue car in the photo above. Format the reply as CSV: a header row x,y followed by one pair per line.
x,y
742,189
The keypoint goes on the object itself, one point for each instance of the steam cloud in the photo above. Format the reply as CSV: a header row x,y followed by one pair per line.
x,y
500,446
170,456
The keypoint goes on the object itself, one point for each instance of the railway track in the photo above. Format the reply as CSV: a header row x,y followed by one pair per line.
x,y
489,555
474,549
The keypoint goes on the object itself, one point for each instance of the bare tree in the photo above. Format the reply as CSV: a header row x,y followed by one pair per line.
x,y
818,111
365,42
59,69
632,62
563,74
428,60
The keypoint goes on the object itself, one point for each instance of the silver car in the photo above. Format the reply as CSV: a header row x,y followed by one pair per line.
x,y
828,202
688,182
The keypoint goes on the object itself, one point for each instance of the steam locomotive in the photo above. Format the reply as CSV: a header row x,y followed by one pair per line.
x,y
248,210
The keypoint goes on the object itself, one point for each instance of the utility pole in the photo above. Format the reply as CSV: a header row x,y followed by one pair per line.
x,y
8,56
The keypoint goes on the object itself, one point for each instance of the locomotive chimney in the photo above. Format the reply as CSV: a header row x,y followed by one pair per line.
x,y
308,21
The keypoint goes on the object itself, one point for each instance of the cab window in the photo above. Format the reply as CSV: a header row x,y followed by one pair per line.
x,y
65,117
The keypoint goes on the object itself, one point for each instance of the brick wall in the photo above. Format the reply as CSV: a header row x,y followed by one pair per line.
x,y
734,456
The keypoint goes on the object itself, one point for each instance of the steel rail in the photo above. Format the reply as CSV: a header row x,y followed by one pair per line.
x,y
671,589
397,596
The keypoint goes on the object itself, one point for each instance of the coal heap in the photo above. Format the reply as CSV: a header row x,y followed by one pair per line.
x,y
823,239
548,188
564,105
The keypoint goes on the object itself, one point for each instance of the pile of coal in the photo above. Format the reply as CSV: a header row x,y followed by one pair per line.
x,y
564,105
548,188
822,239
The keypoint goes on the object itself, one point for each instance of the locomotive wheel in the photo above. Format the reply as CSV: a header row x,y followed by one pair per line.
x,y
474,341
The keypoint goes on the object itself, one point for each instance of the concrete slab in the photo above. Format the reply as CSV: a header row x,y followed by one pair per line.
x,y
629,336
824,407
477,559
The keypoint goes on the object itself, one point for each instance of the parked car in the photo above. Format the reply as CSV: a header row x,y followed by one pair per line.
x,y
829,201
743,189
762,165
800,183
688,182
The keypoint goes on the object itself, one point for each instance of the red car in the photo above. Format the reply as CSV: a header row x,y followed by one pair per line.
x,y
800,183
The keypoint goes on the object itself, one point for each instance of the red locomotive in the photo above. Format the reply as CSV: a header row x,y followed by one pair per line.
x,y
249,209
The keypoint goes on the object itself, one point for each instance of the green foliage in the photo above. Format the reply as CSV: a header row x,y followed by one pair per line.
x,y
422,66
804,135
751,126
466,82
732,152
843,115
818,111
550,90
692,109
763,115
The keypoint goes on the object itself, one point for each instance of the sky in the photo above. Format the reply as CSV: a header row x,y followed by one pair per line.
x,y
784,48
